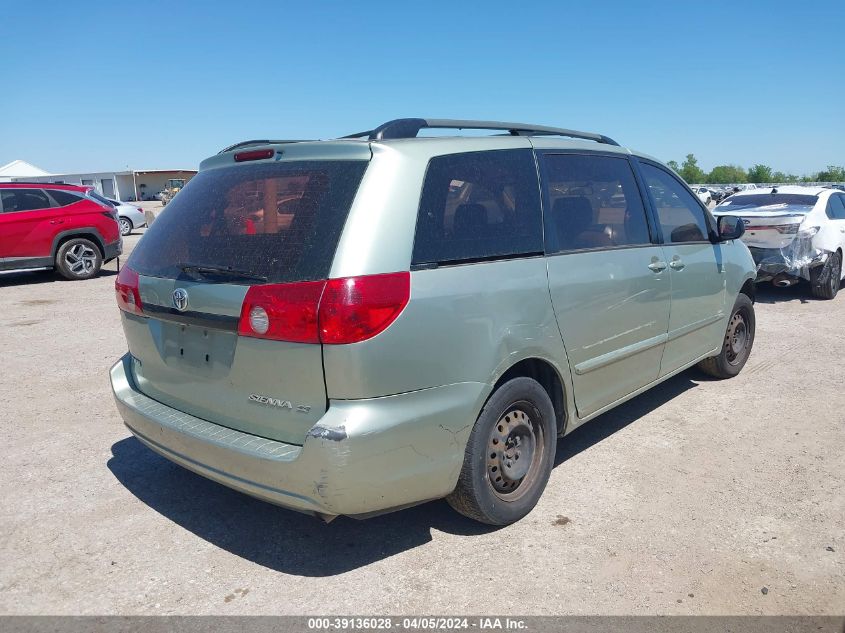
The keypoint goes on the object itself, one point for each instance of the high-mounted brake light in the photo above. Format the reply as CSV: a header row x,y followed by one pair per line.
x,y
128,294
254,154
333,312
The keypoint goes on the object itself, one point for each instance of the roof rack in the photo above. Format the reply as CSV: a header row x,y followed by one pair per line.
x,y
409,128
259,142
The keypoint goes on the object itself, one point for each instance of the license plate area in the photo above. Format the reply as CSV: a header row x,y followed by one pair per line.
x,y
200,350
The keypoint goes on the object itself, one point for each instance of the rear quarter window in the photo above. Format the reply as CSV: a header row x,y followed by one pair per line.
x,y
279,221
64,198
479,205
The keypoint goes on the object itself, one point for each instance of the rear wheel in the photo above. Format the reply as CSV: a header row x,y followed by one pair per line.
x,y
79,258
825,280
509,455
125,226
737,343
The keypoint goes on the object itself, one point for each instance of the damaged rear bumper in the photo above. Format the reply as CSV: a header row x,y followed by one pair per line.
x,y
795,260
362,458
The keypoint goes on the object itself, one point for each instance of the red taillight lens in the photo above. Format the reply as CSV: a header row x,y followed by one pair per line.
x,y
126,289
255,154
334,312
284,312
355,309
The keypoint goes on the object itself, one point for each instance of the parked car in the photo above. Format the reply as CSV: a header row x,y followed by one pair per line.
x,y
129,216
46,225
354,326
794,233
703,194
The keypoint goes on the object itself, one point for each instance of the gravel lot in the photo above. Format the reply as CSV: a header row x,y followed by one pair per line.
x,y
699,497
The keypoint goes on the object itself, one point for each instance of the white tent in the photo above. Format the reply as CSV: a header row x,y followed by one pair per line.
x,y
20,169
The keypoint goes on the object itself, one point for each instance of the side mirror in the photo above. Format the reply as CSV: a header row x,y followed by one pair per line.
x,y
730,227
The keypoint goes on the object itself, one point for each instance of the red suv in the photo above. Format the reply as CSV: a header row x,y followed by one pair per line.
x,y
46,225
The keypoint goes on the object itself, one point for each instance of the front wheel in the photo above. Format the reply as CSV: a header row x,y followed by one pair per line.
x,y
825,279
509,455
737,343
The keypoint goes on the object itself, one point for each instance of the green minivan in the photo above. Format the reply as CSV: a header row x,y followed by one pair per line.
x,y
353,326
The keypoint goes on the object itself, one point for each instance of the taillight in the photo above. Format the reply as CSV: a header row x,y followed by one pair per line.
x,y
126,289
283,312
334,312
357,308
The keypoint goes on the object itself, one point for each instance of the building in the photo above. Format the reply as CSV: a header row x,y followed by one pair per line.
x,y
20,169
129,185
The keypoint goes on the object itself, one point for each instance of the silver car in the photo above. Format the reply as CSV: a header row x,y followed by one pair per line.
x,y
354,326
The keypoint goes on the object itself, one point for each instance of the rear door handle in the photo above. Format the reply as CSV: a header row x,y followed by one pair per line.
x,y
677,264
657,266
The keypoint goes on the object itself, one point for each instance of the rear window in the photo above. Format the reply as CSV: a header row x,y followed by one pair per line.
x,y
768,200
277,222
479,205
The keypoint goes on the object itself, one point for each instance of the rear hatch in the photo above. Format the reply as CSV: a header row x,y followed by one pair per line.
x,y
771,220
233,228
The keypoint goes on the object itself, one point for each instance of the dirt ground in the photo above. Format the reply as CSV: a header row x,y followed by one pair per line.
x,y
699,497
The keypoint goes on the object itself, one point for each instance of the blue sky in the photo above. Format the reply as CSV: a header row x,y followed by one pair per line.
x,y
99,86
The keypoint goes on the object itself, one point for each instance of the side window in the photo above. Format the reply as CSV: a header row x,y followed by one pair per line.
x,y
836,207
679,213
63,198
479,205
24,200
594,202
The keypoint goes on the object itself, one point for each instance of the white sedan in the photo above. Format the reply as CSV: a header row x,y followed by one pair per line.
x,y
703,194
793,233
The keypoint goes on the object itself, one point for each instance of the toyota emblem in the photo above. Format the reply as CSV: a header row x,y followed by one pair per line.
x,y
180,299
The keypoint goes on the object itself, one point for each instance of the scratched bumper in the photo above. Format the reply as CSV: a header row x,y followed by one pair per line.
x,y
363,457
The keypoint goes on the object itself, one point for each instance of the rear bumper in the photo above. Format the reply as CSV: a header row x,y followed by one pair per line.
x,y
113,250
363,457
794,260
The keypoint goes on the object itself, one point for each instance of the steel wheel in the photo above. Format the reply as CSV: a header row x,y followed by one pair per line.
x,y
514,458
737,338
80,259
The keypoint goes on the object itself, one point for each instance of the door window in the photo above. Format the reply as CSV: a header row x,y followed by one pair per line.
x,y
479,205
593,202
681,217
24,200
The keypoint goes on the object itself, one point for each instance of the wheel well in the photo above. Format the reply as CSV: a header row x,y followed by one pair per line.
x,y
88,236
749,290
544,373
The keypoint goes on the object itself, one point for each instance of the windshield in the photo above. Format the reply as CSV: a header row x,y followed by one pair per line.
x,y
792,202
277,222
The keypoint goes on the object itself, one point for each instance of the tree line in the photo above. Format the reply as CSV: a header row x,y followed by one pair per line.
x,y
729,174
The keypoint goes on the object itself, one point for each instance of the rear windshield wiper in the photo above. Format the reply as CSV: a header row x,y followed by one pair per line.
x,y
223,271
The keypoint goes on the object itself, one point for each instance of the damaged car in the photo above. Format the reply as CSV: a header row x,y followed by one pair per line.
x,y
352,326
794,233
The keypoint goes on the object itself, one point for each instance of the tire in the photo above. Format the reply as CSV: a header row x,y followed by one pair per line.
x,y
737,343
825,280
125,226
79,258
494,487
